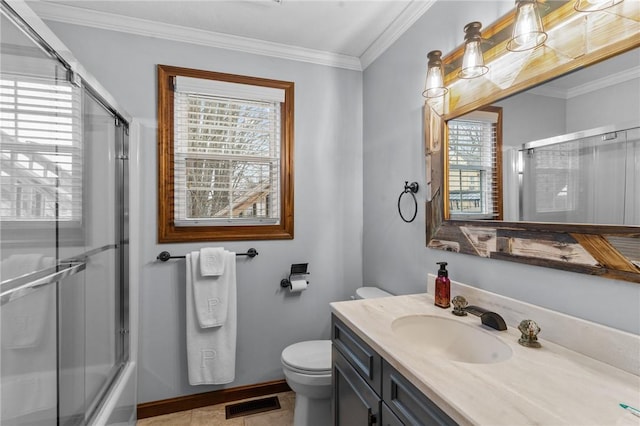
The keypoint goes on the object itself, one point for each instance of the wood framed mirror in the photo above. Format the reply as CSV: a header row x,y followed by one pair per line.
x,y
575,40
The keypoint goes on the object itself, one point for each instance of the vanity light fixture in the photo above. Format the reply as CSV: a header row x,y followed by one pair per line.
x,y
434,85
528,32
593,5
472,61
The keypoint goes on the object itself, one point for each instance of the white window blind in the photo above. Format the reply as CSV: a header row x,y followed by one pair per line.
x,y
40,150
473,167
226,153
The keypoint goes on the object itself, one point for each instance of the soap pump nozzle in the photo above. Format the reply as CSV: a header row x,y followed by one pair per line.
x,y
442,272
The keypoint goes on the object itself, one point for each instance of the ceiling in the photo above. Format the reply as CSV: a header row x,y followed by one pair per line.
x,y
347,33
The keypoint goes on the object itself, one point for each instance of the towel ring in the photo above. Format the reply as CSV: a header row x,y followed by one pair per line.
x,y
409,189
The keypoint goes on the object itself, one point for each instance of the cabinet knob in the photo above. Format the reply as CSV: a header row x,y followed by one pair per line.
x,y
372,419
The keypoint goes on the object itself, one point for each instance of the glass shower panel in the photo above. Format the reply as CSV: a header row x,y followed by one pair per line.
x,y
600,194
28,382
101,332
592,179
102,275
36,120
63,236
71,352
89,309
605,158
551,184
33,88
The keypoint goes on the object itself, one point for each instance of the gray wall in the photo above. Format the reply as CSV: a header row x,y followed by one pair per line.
x,y
328,208
617,104
394,252
527,117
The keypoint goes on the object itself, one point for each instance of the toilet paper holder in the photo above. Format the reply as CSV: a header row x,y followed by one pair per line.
x,y
297,269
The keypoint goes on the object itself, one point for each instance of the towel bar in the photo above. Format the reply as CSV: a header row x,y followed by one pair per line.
x,y
165,255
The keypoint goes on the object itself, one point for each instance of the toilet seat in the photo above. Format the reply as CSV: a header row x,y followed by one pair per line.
x,y
312,357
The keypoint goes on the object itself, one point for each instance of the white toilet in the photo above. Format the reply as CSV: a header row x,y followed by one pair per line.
x,y
307,368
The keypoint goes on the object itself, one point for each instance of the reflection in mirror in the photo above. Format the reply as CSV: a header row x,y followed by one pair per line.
x,y
570,152
475,172
586,177
578,102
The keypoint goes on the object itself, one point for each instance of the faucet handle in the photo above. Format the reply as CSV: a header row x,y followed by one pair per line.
x,y
529,330
459,303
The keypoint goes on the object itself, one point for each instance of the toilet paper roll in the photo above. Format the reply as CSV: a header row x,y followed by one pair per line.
x,y
298,285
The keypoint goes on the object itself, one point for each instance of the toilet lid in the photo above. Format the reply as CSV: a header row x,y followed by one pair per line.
x,y
371,293
312,355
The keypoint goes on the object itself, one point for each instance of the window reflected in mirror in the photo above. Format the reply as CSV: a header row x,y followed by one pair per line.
x,y
475,158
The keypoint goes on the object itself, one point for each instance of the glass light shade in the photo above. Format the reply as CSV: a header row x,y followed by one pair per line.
x,y
528,32
434,84
472,60
593,5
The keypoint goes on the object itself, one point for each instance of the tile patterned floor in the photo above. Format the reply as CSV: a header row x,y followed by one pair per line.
x,y
214,415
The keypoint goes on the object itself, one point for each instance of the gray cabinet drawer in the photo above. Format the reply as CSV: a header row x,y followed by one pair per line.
x,y
410,405
360,355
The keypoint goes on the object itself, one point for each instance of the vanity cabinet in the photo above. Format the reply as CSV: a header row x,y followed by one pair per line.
x,y
367,390
356,377
358,403
408,403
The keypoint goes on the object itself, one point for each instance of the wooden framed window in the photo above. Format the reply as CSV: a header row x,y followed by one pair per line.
x,y
475,165
225,154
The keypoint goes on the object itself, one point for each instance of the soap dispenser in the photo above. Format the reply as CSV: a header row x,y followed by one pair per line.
x,y
443,287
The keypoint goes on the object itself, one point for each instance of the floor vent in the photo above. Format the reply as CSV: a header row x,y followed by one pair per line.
x,y
252,407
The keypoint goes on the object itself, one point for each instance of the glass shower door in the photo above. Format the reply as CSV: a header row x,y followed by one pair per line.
x,y
589,179
37,119
90,312
63,237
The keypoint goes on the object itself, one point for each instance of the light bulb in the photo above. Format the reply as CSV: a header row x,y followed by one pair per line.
x,y
472,60
434,84
528,32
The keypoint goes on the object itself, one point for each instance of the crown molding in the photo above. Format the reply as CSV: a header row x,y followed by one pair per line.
x,y
583,89
113,22
604,82
549,92
399,26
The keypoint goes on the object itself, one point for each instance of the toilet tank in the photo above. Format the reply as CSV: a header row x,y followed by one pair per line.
x,y
371,293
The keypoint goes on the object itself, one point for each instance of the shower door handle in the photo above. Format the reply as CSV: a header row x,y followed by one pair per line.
x,y
39,279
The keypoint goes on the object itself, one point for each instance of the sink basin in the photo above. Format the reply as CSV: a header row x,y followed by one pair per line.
x,y
451,339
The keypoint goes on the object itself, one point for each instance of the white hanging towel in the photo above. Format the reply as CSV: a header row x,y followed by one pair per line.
x,y
212,261
211,293
211,352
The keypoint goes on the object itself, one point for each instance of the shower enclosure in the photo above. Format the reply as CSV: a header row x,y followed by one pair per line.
x,y
591,176
64,304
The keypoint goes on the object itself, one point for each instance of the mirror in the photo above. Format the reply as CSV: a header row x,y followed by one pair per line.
x,y
594,244
567,151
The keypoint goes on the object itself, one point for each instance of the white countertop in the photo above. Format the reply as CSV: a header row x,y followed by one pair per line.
x,y
550,385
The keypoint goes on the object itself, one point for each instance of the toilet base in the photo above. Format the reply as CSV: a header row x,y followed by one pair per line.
x,y
312,412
